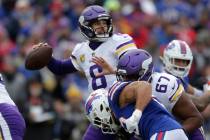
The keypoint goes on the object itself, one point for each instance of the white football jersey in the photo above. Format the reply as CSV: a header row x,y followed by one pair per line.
x,y
109,50
4,96
167,89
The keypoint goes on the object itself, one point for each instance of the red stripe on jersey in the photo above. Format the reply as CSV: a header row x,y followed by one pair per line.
x,y
113,88
160,136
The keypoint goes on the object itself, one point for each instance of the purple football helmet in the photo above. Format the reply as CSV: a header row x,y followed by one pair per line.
x,y
91,14
135,65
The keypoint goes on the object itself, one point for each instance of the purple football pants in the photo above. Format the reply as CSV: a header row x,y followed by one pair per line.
x,y
93,133
12,124
197,135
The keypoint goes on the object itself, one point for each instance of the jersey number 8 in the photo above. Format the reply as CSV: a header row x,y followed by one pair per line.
x,y
95,80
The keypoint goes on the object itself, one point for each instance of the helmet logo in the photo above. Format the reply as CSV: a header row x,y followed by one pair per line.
x,y
90,101
146,63
170,46
82,58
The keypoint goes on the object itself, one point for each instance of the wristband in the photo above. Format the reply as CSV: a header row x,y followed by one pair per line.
x,y
137,115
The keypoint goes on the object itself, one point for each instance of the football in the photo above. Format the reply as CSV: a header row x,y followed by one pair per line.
x,y
38,57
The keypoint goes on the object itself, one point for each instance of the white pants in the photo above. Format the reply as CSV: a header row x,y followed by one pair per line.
x,y
176,134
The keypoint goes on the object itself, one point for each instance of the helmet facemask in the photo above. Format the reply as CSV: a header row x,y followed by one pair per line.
x,y
107,124
121,75
102,36
177,61
94,14
174,68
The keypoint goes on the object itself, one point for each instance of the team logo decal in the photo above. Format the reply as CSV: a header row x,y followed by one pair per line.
x,y
90,101
82,58
171,46
93,54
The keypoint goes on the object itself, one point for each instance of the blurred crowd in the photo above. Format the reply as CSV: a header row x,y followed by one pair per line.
x,y
53,105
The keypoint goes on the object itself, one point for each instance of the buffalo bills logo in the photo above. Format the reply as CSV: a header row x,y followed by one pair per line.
x,y
88,106
170,46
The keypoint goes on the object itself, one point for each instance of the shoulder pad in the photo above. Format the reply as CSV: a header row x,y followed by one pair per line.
x,y
122,37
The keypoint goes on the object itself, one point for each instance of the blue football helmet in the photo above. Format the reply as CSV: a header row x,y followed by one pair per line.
x,y
91,14
135,65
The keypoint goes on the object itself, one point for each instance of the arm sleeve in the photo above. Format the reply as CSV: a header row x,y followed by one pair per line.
x,y
61,67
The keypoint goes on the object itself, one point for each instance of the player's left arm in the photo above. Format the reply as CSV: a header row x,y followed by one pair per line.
x,y
200,98
206,113
194,91
186,111
200,102
189,88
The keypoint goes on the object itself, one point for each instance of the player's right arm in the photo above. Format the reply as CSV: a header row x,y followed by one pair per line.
x,y
60,67
140,93
67,66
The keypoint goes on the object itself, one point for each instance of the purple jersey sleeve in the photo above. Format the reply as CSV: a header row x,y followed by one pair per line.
x,y
113,97
61,67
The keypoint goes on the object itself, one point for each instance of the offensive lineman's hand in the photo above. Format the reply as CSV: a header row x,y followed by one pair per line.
x,y
131,124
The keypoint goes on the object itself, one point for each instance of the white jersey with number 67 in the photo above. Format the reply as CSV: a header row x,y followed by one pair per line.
x,y
167,89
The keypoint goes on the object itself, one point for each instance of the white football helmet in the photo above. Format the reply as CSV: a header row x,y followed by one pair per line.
x,y
175,51
99,113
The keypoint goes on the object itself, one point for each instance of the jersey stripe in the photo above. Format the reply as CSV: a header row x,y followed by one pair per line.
x,y
121,45
5,128
177,93
160,136
124,46
114,88
130,45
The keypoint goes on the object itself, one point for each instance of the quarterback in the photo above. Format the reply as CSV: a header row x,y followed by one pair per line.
x,y
95,24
